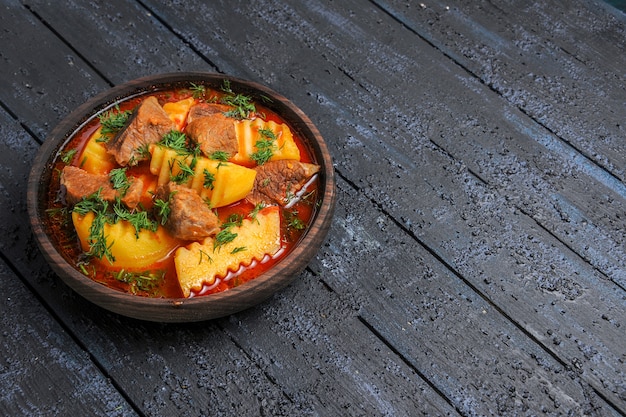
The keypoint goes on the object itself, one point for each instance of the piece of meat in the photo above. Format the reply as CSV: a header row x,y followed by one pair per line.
x,y
79,184
148,124
215,132
277,182
189,217
206,109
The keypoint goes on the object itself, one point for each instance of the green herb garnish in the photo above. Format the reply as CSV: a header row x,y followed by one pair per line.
x,y
68,156
243,105
220,156
209,179
112,122
175,140
119,180
222,238
265,146
145,281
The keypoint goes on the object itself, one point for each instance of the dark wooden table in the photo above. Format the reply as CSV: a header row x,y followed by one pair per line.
x,y
476,263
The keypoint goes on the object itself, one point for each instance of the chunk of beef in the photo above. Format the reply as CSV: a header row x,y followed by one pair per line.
x,y
277,182
79,184
206,109
189,217
215,132
148,124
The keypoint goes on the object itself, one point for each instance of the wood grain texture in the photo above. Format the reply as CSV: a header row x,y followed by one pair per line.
x,y
42,370
475,265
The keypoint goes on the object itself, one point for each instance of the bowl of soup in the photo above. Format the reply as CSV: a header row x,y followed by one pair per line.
x,y
181,197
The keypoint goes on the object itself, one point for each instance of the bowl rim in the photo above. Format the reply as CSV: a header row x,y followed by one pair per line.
x,y
203,307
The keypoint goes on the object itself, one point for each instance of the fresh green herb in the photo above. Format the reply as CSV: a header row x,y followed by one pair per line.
x,y
226,235
138,219
175,140
243,105
119,180
145,281
293,221
258,207
197,90
112,122
143,151
238,249
222,238
68,156
233,220
98,245
265,146
186,171
204,254
308,197
220,156
163,208
209,179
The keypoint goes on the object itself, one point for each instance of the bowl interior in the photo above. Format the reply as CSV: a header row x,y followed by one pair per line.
x,y
201,307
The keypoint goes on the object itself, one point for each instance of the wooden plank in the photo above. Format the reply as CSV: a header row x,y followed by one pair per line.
x,y
566,60
32,60
586,218
453,220
459,341
120,40
42,370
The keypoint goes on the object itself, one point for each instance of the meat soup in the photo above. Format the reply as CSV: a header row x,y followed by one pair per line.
x,y
182,193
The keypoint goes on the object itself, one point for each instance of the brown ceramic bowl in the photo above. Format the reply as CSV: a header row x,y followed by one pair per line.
x,y
201,307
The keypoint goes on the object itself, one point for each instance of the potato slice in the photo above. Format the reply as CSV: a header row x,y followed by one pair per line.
x,y
95,158
178,110
128,250
248,134
230,182
201,263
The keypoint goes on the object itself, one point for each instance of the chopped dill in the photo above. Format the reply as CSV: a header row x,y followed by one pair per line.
x,y
68,156
186,171
175,140
146,281
119,180
265,146
163,209
209,179
112,121
197,90
244,108
220,156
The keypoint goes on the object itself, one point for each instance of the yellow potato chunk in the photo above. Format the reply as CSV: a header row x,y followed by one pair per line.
x,y
222,183
95,158
248,135
201,263
128,250
178,110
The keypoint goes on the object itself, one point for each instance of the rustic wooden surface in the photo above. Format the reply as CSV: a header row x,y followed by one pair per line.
x,y
476,264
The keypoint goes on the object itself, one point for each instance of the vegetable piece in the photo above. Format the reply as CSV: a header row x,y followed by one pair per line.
x,y
257,136
202,263
177,111
95,158
222,183
129,248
